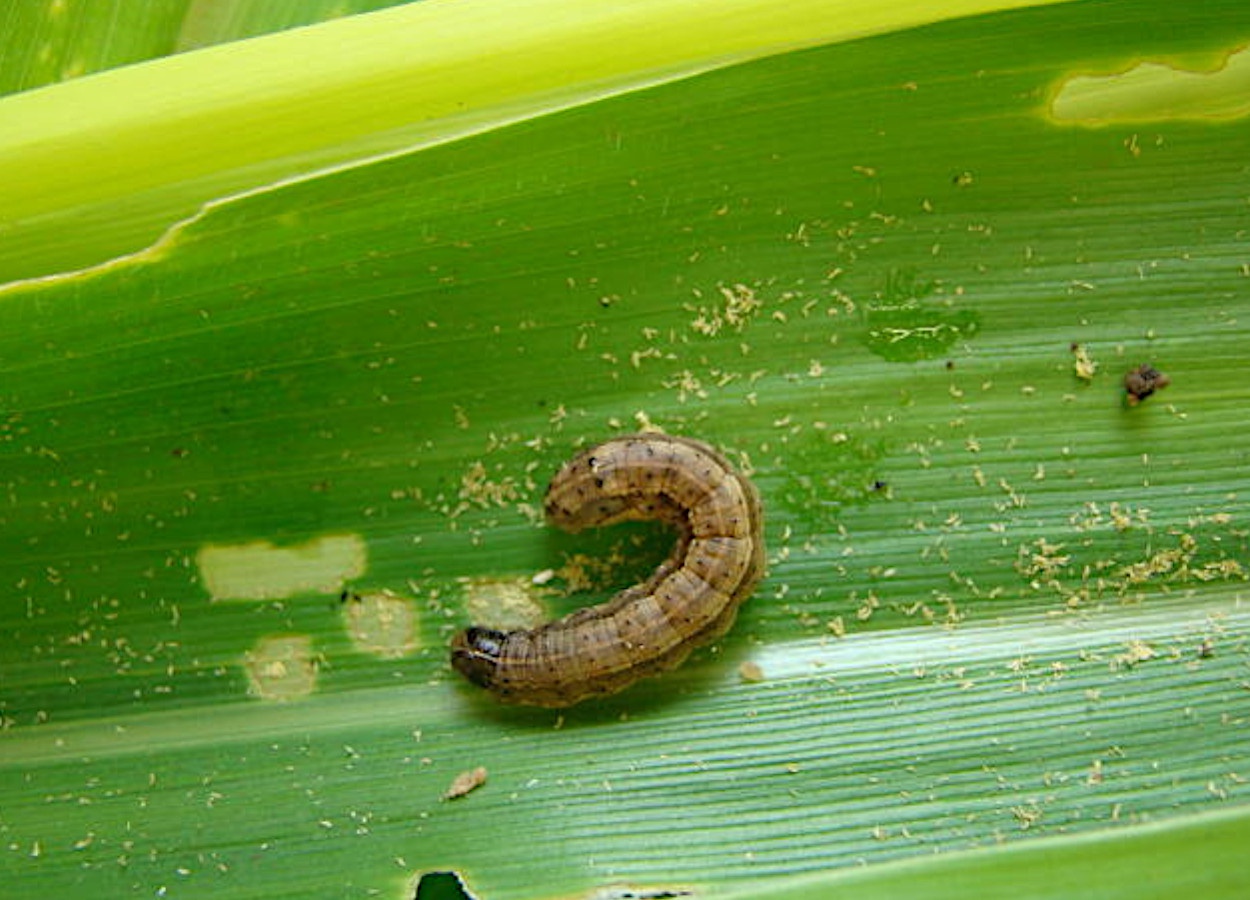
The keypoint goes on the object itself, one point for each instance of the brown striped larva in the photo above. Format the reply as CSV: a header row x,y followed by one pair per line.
x,y
690,599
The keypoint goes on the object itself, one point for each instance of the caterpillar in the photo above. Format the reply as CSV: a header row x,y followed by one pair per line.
x,y
691,598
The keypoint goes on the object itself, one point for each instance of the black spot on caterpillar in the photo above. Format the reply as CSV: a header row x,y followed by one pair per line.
x,y
691,598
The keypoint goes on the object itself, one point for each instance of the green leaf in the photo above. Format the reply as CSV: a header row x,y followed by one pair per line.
x,y
286,371
1199,855
103,167
46,43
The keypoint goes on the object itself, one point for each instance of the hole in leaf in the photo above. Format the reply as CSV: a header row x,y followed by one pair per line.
x,y
441,886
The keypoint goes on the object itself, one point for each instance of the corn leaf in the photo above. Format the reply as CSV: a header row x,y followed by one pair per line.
x,y
291,348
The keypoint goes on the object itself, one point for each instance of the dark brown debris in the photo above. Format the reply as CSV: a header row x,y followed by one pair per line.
x,y
1143,381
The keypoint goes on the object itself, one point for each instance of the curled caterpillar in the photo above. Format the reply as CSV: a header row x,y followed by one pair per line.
x,y
691,598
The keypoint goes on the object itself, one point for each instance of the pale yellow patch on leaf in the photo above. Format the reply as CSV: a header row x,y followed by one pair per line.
x,y
261,571
1153,92
281,667
381,623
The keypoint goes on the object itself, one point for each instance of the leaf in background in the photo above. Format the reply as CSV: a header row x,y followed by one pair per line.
x,y
276,455
45,43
